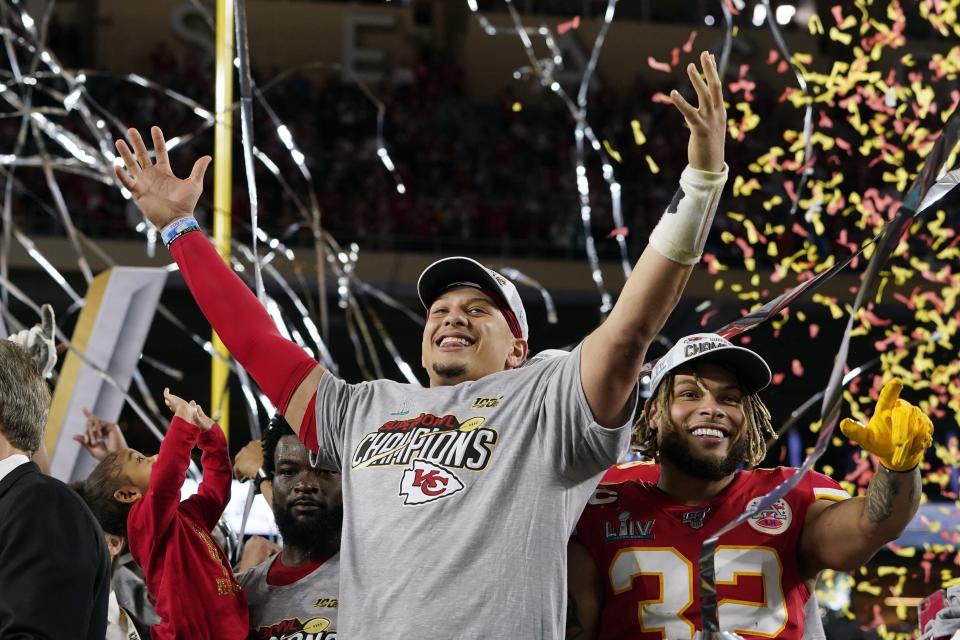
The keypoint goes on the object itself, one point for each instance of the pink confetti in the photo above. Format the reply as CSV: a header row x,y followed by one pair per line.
x,y
706,317
744,247
656,65
688,45
619,232
814,329
569,25
777,378
742,84
837,12
796,368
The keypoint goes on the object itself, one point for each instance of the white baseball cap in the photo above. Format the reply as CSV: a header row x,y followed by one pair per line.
x,y
751,370
460,271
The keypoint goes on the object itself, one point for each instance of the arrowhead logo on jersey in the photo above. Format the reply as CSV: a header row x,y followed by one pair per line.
x,y
426,482
774,520
695,518
627,529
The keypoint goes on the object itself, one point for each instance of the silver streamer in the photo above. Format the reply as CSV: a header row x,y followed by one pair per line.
x,y
246,133
808,159
544,70
62,338
522,278
94,161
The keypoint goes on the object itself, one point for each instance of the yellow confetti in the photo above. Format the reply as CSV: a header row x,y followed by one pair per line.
x,y
613,152
653,165
814,25
638,137
839,36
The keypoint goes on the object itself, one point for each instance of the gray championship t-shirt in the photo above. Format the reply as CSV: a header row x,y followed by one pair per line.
x,y
458,501
305,610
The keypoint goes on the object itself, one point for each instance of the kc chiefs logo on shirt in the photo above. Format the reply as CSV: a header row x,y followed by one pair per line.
x,y
431,447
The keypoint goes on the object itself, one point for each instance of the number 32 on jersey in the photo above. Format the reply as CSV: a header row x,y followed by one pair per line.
x,y
664,611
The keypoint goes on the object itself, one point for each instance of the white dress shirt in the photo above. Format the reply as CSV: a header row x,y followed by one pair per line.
x,y
12,462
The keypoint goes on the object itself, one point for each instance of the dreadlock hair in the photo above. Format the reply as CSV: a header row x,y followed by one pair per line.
x,y
756,423
277,429
97,491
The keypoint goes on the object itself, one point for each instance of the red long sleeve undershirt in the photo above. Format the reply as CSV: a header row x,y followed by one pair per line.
x,y
276,364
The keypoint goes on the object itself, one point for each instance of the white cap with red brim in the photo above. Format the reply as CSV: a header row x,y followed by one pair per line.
x,y
751,370
460,271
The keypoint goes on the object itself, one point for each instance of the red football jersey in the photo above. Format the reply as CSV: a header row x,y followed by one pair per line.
x,y
647,548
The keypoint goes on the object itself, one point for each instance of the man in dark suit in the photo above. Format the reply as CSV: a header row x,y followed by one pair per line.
x,y
54,566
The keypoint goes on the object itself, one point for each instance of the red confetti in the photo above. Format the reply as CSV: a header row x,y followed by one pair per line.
x,y
777,378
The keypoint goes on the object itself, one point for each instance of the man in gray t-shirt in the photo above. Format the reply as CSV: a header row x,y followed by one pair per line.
x,y
459,499
298,590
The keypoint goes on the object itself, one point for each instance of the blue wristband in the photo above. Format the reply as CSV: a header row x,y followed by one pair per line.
x,y
177,228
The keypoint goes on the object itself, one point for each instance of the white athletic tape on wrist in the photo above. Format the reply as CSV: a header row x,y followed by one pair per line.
x,y
682,231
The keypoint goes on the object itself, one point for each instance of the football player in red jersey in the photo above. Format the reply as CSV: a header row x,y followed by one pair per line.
x,y
633,561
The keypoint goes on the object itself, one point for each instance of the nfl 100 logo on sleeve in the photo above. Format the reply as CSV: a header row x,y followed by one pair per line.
x,y
432,448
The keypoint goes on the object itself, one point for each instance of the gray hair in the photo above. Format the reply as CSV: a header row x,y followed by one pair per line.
x,y
24,398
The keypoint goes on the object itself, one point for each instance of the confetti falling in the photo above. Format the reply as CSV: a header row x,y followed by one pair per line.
x,y
878,108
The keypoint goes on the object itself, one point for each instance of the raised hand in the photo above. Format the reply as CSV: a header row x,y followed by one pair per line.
x,y
248,461
708,120
161,196
100,438
898,433
187,411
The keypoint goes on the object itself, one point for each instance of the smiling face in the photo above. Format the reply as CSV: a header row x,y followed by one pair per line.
x,y
705,435
307,502
466,337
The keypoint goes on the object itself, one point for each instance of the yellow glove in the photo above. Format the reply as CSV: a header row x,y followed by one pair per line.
x,y
898,433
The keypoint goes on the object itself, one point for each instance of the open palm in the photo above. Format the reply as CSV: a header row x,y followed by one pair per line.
x,y
162,196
